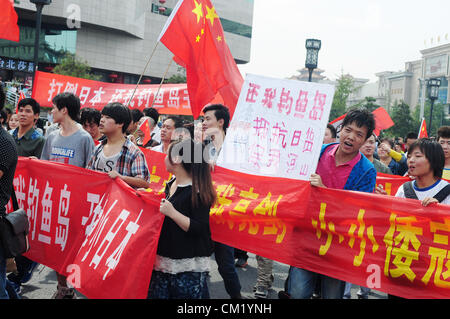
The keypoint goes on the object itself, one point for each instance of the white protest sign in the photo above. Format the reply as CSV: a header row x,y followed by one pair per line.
x,y
277,128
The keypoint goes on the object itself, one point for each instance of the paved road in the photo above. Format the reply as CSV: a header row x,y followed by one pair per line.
x,y
43,283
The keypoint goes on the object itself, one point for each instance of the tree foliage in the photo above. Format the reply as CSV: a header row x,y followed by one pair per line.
x,y
180,77
438,117
369,104
72,66
403,121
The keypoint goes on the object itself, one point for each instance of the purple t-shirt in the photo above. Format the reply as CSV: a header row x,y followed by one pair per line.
x,y
335,176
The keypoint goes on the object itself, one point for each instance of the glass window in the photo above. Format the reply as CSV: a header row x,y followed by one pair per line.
x,y
53,44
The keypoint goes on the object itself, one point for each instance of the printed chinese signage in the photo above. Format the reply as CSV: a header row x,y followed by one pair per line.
x,y
171,98
278,128
436,65
16,65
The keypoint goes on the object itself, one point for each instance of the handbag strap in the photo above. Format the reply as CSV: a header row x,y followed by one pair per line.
x,y
14,199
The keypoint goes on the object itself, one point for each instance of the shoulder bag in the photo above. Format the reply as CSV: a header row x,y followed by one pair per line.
x,y
14,229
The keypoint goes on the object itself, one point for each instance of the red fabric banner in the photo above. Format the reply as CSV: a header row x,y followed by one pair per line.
x,y
390,244
104,235
171,99
90,231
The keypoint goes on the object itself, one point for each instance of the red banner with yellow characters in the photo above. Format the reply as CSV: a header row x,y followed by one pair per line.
x,y
103,234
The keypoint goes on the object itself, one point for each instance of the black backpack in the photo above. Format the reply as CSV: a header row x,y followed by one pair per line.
x,y
440,196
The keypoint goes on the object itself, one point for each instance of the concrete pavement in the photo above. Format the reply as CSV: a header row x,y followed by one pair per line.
x,y
43,283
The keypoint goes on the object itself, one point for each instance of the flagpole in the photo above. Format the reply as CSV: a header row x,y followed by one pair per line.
x,y
142,74
162,81
160,85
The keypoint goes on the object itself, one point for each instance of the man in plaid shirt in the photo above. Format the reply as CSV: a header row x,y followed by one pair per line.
x,y
116,155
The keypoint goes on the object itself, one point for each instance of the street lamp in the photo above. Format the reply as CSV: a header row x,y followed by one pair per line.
x,y
312,55
39,6
433,94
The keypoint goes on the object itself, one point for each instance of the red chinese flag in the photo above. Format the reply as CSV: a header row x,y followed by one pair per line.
x,y
423,129
382,120
145,128
194,34
9,30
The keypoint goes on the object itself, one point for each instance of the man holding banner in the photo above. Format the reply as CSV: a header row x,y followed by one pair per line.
x,y
117,155
340,166
69,145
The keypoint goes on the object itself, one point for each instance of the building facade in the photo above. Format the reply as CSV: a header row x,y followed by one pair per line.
x,y
114,37
409,85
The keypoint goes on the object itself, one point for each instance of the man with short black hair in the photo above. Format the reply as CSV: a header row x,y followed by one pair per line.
x,y
170,124
409,139
8,162
330,134
29,142
136,115
117,155
155,134
90,120
215,124
69,144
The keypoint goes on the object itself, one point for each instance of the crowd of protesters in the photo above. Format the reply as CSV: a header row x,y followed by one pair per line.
x,y
108,141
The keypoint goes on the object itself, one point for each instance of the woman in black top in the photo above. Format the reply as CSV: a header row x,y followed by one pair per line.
x,y
185,246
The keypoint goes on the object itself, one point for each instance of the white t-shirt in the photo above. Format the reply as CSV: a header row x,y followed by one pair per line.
x,y
158,148
156,134
106,164
423,193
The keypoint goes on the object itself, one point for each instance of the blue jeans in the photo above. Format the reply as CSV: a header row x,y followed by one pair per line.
x,y
3,293
186,285
224,256
363,292
301,284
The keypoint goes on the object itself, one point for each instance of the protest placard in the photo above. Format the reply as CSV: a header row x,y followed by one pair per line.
x,y
277,128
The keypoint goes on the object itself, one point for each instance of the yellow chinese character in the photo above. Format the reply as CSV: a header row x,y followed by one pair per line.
x,y
241,208
403,256
223,194
438,256
357,261
323,227
164,184
273,228
267,207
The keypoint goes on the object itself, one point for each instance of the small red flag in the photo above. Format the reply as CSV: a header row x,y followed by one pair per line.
x,y
9,30
382,120
145,128
21,97
423,129
194,34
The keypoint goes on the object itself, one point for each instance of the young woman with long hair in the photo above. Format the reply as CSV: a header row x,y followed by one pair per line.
x,y
185,246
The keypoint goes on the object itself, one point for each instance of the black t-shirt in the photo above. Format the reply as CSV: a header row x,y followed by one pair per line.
x,y
174,242
8,162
